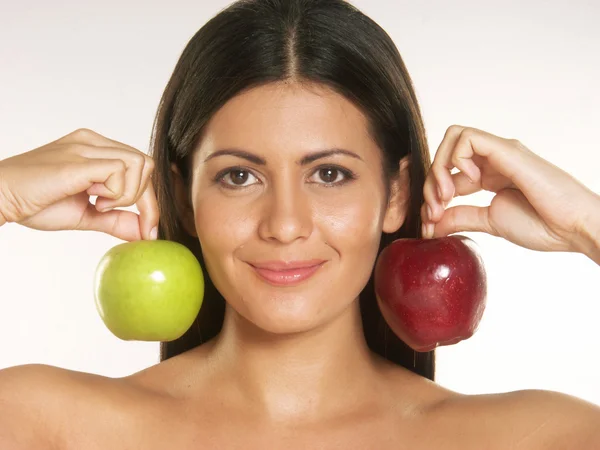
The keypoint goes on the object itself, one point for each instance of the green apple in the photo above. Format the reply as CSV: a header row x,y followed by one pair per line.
x,y
149,290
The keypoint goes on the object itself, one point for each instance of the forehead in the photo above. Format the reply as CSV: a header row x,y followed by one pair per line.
x,y
287,116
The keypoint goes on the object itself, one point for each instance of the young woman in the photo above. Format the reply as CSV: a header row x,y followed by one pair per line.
x,y
289,136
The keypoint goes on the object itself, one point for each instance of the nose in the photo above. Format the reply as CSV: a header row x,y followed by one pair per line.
x,y
287,215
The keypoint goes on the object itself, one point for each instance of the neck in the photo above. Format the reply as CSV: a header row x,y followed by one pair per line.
x,y
306,375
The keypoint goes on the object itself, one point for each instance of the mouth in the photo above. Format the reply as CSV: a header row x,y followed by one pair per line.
x,y
281,273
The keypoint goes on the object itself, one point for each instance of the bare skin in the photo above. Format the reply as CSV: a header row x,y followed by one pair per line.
x,y
177,404
290,368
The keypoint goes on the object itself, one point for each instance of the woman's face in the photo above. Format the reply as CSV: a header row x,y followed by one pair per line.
x,y
289,178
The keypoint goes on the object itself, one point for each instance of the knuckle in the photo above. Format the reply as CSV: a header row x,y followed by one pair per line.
x,y
468,133
138,159
453,129
437,170
83,133
128,198
516,143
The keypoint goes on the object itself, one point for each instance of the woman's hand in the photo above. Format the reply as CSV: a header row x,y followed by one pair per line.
x,y
49,188
537,205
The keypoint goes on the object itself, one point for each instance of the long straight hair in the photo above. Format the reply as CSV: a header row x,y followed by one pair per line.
x,y
254,42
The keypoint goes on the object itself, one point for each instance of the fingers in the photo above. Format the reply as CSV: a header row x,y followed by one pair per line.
x,y
439,188
102,191
434,198
106,177
453,152
128,182
463,185
462,146
136,188
446,158
121,224
137,163
90,137
135,169
506,161
149,214
435,205
462,218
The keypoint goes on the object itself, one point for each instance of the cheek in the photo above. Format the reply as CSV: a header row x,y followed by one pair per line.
x,y
352,224
222,229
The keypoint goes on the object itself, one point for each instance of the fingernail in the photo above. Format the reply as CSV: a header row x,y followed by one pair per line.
x,y
153,233
439,191
423,230
429,212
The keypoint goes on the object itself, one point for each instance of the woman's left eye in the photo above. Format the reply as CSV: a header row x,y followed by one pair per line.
x,y
331,175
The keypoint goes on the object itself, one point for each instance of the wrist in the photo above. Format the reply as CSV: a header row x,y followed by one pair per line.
x,y
594,250
2,200
590,244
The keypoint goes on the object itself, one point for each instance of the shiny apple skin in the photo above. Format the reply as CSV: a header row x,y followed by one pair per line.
x,y
431,292
149,290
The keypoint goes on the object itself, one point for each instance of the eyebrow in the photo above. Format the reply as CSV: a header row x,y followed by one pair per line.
x,y
258,160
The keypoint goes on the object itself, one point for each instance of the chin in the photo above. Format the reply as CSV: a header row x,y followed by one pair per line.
x,y
284,316
284,327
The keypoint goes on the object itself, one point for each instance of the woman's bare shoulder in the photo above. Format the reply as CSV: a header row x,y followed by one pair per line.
x,y
32,382
528,419
43,406
532,419
33,398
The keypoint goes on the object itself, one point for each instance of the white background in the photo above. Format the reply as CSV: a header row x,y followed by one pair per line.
x,y
525,70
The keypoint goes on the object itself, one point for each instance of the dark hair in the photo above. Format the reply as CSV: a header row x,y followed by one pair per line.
x,y
254,42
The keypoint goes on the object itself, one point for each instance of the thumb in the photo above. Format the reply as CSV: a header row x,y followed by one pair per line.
x,y
463,218
121,224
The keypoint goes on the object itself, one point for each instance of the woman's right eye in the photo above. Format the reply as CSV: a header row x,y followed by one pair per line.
x,y
237,178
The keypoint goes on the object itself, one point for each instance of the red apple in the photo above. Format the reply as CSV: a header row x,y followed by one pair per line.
x,y
431,292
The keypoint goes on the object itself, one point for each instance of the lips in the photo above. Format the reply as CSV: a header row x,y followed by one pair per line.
x,y
282,273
